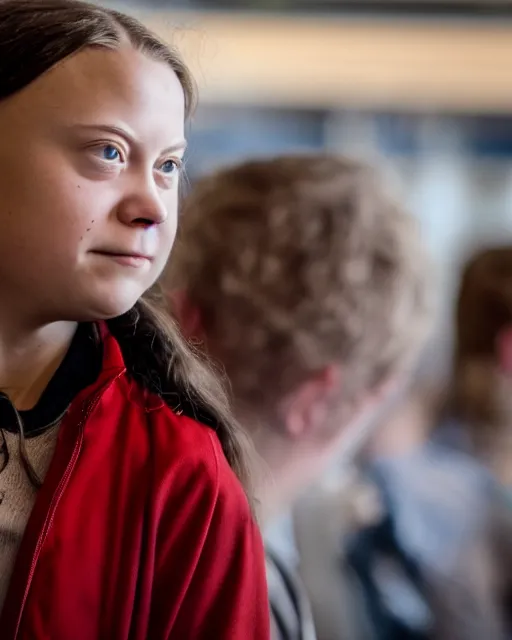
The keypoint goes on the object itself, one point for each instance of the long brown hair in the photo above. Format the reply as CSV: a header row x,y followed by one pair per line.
x,y
35,35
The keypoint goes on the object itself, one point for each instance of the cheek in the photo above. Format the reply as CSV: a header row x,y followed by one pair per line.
x,y
48,193
73,213
57,227
47,210
35,217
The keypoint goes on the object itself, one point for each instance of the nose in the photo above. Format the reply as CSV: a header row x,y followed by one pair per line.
x,y
143,207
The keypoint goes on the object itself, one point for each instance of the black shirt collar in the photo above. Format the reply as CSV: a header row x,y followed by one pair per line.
x,y
79,369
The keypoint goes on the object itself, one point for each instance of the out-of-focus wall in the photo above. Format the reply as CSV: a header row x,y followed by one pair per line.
x,y
322,62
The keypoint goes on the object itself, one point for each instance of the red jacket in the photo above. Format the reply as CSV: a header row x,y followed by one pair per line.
x,y
140,532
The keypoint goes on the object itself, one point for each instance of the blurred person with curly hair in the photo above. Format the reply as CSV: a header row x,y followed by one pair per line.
x,y
309,283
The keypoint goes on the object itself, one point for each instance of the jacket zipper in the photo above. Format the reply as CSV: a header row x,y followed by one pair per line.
x,y
56,499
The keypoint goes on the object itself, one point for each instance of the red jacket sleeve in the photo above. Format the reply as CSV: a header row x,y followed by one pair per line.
x,y
225,597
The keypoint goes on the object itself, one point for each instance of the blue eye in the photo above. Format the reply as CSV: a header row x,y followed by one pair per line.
x,y
169,166
110,153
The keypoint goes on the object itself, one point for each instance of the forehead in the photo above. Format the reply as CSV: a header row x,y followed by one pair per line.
x,y
101,86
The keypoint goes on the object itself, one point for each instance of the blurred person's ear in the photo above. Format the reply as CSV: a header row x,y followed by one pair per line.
x,y
186,313
504,350
306,410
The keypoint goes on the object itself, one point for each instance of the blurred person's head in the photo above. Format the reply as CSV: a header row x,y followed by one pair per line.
x,y
482,387
308,282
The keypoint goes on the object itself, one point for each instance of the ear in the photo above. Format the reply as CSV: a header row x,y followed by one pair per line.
x,y
305,410
186,313
504,350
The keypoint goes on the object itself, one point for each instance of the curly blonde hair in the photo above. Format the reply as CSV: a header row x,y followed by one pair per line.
x,y
299,262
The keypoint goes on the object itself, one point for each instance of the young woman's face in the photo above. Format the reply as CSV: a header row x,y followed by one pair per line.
x,y
90,158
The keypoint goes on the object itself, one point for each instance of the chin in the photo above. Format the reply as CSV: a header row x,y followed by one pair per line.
x,y
111,307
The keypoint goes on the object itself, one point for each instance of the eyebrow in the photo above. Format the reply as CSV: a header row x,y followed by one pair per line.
x,y
180,145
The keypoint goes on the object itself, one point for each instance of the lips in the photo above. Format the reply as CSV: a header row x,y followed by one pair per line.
x,y
126,258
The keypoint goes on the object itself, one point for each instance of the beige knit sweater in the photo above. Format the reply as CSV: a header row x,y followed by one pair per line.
x,y
18,495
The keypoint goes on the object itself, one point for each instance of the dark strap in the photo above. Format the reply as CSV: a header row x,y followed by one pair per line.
x,y
289,606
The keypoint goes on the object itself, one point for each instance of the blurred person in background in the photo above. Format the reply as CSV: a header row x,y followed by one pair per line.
x,y
479,410
308,282
344,594
437,562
